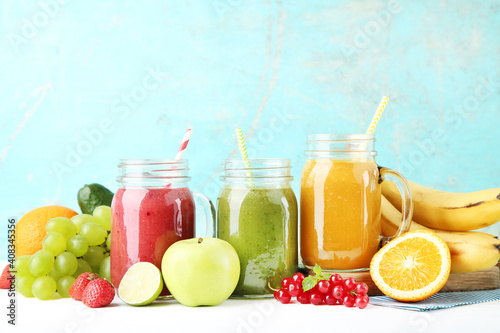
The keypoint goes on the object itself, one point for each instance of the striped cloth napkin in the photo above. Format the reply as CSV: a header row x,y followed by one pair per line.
x,y
440,300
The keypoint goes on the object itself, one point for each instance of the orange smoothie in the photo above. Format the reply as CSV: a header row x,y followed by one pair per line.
x,y
340,213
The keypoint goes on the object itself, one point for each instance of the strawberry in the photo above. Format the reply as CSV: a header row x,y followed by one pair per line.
x,y
78,287
98,293
6,278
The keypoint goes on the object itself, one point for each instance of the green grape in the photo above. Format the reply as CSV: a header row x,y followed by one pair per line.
x,y
66,263
22,266
81,219
24,283
94,255
103,214
108,242
78,245
64,284
94,232
83,267
61,225
54,273
54,242
41,263
95,269
44,287
104,269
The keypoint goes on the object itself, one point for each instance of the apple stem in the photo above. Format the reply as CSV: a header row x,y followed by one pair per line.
x,y
200,240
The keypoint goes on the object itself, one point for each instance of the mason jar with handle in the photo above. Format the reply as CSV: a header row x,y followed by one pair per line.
x,y
340,202
152,209
257,215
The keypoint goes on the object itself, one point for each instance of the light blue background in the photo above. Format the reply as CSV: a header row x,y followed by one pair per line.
x,y
278,69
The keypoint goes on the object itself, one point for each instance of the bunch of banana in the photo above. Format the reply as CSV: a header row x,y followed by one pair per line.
x,y
470,250
449,211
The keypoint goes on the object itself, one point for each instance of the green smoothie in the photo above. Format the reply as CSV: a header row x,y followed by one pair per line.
x,y
261,224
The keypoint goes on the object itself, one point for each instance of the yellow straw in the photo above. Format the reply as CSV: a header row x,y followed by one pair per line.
x,y
375,120
243,149
377,115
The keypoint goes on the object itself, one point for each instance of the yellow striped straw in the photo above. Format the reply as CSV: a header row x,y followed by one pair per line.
x,y
377,115
243,149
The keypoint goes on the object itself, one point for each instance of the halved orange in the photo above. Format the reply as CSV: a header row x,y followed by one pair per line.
x,y
412,267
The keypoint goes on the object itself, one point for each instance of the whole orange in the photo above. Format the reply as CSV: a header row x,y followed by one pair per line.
x,y
30,229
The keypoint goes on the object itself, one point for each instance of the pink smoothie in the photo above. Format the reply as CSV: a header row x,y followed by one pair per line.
x,y
145,222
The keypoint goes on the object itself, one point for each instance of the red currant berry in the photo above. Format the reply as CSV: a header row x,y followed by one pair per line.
x,y
324,286
361,301
361,288
338,292
350,284
298,277
282,296
349,301
316,298
304,298
286,282
295,289
336,280
330,299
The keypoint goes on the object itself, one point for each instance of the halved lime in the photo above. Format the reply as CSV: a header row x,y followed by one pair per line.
x,y
141,284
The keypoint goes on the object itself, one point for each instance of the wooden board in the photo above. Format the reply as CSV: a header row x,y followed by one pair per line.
x,y
481,280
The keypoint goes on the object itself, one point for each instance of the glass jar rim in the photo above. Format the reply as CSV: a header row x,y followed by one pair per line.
x,y
340,137
150,161
149,172
340,145
262,163
261,170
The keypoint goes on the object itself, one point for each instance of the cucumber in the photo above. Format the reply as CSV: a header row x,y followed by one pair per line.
x,y
93,195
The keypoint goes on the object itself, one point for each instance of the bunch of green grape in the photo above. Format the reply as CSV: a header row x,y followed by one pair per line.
x,y
71,247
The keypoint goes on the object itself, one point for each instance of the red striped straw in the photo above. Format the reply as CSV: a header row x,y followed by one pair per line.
x,y
184,143
182,149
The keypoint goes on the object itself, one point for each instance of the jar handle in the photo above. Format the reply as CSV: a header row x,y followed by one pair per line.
x,y
209,210
406,202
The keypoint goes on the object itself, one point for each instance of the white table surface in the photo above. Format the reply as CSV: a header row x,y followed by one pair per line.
x,y
68,315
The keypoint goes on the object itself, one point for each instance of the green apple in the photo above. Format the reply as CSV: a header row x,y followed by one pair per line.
x,y
201,271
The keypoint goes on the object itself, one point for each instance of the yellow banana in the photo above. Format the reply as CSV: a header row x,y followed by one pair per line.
x,y
470,250
449,211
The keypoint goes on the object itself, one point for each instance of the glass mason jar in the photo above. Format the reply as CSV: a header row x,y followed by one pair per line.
x,y
257,215
340,200
152,209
